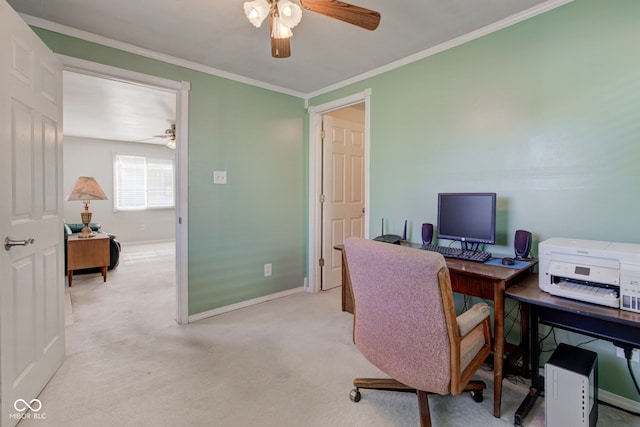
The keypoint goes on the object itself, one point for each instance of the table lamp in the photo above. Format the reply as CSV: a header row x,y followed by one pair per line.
x,y
86,189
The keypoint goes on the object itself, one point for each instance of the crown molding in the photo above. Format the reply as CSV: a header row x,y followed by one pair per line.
x,y
496,26
91,37
147,53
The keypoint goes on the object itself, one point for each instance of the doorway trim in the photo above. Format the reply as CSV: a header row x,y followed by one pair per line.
x,y
315,177
181,88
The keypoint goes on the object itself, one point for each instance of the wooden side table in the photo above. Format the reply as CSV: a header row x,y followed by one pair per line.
x,y
88,253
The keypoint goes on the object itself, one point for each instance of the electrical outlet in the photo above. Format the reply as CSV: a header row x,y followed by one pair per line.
x,y
635,354
219,177
267,270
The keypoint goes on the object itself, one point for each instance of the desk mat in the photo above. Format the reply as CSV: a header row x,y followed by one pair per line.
x,y
517,265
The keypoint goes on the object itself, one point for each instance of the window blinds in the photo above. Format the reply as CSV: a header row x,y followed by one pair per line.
x,y
143,182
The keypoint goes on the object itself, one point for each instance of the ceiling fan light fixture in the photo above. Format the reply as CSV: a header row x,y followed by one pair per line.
x,y
279,30
286,14
256,11
290,13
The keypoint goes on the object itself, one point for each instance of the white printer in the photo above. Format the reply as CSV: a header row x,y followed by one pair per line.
x,y
603,273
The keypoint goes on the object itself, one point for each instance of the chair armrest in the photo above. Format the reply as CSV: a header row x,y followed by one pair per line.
x,y
472,318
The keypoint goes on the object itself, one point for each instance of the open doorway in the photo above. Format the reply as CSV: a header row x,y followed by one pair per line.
x,y
163,143
338,205
123,134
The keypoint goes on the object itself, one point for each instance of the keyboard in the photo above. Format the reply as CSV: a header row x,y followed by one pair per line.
x,y
586,293
448,252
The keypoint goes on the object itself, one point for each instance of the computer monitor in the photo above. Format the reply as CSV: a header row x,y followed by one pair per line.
x,y
467,217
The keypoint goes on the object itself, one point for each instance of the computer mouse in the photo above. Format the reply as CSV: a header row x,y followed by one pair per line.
x,y
508,261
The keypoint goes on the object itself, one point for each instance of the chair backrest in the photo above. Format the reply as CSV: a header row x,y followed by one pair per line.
x,y
400,323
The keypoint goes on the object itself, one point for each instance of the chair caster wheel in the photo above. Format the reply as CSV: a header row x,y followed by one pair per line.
x,y
355,395
477,395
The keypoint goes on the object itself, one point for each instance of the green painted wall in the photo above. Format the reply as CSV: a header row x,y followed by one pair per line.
x,y
546,113
258,137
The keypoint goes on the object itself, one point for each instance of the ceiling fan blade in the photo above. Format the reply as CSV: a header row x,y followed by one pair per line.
x,y
364,18
280,48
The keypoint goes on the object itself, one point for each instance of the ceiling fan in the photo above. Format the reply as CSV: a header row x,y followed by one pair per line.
x,y
286,14
169,134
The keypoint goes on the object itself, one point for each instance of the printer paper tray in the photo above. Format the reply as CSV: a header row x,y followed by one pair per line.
x,y
591,294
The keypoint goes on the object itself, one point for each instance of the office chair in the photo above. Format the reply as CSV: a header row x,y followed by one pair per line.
x,y
405,323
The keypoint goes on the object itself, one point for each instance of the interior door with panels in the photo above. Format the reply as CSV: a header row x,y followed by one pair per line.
x,y
343,189
31,261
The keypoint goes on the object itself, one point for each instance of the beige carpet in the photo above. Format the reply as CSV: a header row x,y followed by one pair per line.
x,y
288,362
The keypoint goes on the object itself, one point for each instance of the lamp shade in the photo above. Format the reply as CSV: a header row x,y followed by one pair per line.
x,y
257,11
86,188
290,13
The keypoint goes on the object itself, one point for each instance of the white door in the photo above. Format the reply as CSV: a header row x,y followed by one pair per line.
x,y
31,276
343,189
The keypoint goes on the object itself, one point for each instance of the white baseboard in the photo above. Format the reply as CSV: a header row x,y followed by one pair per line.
x,y
243,304
618,401
145,242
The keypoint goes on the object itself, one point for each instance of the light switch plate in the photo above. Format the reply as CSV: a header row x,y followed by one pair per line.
x,y
219,177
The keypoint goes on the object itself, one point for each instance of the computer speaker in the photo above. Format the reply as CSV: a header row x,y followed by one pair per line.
x,y
427,233
522,243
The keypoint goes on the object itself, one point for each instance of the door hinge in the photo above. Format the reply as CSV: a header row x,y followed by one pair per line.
x,y
322,198
322,134
321,262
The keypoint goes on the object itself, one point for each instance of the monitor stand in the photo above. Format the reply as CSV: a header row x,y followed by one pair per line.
x,y
467,246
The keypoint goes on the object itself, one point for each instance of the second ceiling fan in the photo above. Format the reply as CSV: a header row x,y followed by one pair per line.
x,y
286,14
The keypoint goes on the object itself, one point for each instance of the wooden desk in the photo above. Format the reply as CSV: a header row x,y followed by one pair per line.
x,y
87,253
469,278
606,323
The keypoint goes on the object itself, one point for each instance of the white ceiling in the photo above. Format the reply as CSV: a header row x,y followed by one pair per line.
x,y
324,51
215,36
109,109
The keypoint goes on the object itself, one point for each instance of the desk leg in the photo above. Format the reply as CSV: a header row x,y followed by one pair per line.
x,y
536,380
345,291
104,273
70,276
524,338
498,347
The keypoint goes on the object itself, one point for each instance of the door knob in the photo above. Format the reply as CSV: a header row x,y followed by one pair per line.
x,y
9,242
